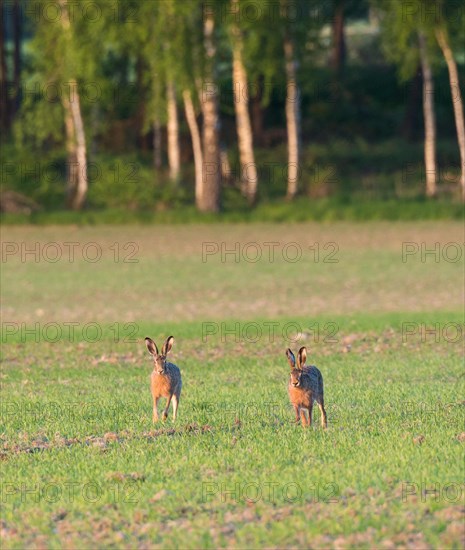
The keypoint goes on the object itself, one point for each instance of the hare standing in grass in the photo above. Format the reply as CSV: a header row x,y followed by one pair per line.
x,y
165,380
305,386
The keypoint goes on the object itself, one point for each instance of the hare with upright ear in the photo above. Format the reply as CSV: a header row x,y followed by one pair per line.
x,y
305,386
165,380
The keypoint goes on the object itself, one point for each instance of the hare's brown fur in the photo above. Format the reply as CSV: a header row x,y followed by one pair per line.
x,y
305,387
165,380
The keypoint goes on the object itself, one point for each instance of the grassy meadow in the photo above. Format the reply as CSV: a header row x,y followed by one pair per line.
x,y
82,466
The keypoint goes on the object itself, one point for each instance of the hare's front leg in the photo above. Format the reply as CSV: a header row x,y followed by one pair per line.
x,y
176,398
297,413
165,412
155,410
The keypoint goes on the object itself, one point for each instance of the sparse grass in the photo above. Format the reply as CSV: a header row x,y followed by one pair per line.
x,y
82,465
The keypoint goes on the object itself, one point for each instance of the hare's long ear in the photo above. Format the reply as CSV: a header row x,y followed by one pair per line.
x,y
151,346
167,346
301,358
290,357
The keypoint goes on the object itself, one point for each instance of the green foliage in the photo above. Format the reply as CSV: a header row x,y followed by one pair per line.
x,y
350,126
350,179
402,22
60,51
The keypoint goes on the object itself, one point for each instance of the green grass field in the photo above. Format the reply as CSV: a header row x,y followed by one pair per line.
x,y
82,466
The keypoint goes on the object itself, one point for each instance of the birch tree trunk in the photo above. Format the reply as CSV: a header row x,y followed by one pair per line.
x,y
443,42
174,156
75,134
80,193
196,144
209,201
292,119
71,161
249,176
76,185
430,121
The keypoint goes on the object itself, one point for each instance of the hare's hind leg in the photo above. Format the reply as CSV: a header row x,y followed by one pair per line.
x,y
310,410
303,417
321,405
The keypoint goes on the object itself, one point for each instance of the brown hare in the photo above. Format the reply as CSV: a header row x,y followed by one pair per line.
x,y
305,386
165,380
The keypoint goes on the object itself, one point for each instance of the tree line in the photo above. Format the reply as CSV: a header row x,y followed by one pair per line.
x,y
175,50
